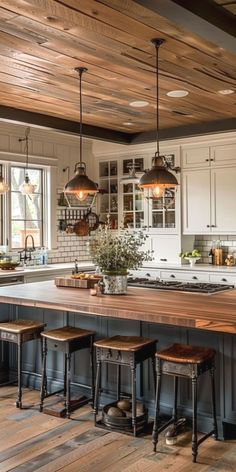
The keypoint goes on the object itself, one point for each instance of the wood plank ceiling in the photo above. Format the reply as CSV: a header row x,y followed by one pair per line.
x,y
42,41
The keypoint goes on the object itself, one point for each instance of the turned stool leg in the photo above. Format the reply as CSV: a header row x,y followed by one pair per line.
x,y
43,391
215,428
65,375
68,366
157,405
19,375
176,382
194,431
134,419
118,382
92,369
154,372
97,387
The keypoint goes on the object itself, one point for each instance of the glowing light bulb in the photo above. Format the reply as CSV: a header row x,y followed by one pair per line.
x,y
158,191
3,186
81,195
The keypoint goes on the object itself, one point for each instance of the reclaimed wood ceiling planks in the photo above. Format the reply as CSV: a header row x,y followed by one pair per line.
x,y
42,41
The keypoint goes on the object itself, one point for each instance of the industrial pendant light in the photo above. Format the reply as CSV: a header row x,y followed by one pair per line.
x,y
4,187
27,188
158,178
132,178
81,185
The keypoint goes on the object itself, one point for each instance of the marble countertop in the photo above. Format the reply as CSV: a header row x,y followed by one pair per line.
x,y
50,268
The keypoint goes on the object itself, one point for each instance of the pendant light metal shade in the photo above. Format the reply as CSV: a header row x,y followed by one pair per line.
x,y
132,178
80,185
27,188
158,177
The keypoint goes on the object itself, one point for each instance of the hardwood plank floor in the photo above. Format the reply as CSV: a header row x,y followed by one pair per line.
x,y
31,441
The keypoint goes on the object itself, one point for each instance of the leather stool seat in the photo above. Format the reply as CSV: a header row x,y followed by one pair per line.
x,y
19,332
185,353
125,343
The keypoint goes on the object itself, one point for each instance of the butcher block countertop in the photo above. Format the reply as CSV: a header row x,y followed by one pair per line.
x,y
213,312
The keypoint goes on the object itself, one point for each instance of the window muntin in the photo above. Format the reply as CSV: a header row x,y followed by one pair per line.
x,y
26,211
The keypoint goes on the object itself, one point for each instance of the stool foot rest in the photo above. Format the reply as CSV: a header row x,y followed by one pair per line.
x,y
58,409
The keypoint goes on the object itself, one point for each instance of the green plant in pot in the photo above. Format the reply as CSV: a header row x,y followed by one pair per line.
x,y
116,254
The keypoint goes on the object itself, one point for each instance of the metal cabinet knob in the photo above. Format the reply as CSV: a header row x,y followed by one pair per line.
x,y
172,276
195,277
223,280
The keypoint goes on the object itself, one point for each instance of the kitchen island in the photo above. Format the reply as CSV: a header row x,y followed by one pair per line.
x,y
201,319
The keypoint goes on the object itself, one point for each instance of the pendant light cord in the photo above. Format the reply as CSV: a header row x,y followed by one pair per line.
x,y
80,70
157,100
26,139
157,43
81,115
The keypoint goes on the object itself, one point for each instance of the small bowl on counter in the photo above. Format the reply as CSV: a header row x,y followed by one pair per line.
x,y
7,264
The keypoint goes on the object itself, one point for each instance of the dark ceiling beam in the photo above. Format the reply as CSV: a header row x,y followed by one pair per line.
x,y
15,115
211,12
201,20
187,131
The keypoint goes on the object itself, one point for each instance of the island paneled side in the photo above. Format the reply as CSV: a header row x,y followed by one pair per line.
x,y
184,318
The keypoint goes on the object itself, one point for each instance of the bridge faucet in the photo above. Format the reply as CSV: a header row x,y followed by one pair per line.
x,y
25,254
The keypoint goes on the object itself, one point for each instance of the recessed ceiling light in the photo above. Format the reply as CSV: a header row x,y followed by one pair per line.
x,y
177,93
139,103
128,123
226,92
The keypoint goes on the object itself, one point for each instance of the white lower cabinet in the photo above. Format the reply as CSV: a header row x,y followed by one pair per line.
x,y
223,279
184,276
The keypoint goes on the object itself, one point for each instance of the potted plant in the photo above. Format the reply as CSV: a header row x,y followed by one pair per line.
x,y
192,256
116,254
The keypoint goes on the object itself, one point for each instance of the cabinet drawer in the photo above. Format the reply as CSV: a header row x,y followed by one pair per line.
x,y
223,279
185,276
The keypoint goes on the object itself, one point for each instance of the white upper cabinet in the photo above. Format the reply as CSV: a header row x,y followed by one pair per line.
x,y
195,156
196,201
212,155
223,154
209,201
223,200
209,187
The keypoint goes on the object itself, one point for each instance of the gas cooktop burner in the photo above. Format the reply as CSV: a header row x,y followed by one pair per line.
x,y
175,285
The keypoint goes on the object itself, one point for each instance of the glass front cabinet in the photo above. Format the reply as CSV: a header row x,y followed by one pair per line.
x,y
128,206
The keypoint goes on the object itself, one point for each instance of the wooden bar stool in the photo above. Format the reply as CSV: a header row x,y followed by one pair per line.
x,y
19,332
67,340
182,360
123,351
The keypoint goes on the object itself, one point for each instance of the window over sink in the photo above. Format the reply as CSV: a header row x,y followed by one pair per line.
x,y
26,211
20,214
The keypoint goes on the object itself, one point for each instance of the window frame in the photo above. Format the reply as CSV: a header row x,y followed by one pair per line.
x,y
41,193
46,205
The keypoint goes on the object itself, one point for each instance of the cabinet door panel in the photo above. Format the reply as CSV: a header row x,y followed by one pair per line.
x,y
225,154
196,157
196,202
224,200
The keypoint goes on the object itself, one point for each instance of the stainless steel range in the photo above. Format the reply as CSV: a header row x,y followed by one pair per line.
x,y
175,285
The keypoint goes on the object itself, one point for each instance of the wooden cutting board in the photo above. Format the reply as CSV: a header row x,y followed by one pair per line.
x,y
70,281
